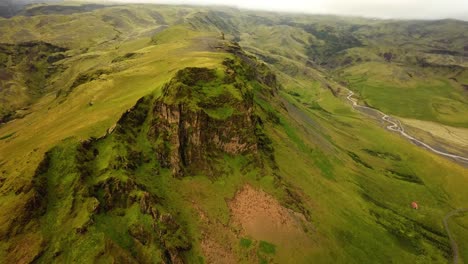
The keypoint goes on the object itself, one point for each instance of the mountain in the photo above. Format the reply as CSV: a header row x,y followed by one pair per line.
x,y
9,8
180,134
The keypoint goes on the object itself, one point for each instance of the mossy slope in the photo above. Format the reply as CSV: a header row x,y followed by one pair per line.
x,y
102,197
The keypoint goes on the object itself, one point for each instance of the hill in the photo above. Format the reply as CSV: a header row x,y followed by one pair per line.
x,y
177,134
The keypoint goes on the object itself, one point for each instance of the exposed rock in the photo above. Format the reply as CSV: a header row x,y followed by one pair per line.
x,y
388,56
139,233
111,129
115,193
33,242
253,69
147,205
195,138
193,134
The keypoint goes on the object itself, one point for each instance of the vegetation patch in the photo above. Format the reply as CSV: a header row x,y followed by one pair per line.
x,y
61,9
267,248
7,136
409,233
404,176
383,155
87,77
25,72
245,242
333,40
358,159
125,57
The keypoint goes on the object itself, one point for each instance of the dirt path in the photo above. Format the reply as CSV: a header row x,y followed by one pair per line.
x,y
453,243
395,125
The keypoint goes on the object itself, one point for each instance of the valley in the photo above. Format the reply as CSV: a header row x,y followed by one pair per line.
x,y
143,133
396,126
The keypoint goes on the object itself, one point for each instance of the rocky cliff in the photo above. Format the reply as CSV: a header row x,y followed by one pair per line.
x,y
190,136
201,116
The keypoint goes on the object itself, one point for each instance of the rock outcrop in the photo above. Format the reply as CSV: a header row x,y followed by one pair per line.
x,y
188,137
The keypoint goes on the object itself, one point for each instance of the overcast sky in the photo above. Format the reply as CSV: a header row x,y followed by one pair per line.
x,y
417,9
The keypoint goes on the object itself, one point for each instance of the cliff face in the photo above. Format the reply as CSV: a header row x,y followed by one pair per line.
x,y
203,114
190,137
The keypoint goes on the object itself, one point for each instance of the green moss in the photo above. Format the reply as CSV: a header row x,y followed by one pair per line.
x,y
267,248
220,113
245,242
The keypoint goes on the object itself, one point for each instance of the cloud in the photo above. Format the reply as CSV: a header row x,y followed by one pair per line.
x,y
407,9
419,9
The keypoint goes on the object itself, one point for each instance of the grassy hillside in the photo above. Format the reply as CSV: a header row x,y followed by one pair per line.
x,y
382,60
158,139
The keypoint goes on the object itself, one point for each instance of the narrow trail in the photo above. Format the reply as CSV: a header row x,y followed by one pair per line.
x,y
453,243
395,125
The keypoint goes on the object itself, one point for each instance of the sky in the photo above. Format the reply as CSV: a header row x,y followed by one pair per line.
x,y
406,9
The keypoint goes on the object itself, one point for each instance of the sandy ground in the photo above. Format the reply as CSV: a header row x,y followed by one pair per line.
x,y
455,135
217,253
263,218
260,217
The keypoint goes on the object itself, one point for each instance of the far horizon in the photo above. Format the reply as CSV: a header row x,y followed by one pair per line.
x,y
380,9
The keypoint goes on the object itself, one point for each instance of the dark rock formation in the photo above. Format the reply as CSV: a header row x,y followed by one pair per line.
x,y
188,137
388,56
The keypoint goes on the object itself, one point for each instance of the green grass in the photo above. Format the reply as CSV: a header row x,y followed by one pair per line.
x,y
393,154
220,113
7,136
245,242
351,180
431,99
267,248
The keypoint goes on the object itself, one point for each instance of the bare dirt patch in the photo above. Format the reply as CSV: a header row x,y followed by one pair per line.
x,y
262,217
212,233
215,252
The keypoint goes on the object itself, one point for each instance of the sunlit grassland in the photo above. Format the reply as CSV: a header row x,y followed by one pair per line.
x,y
370,191
92,30
89,110
110,95
342,185
427,97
